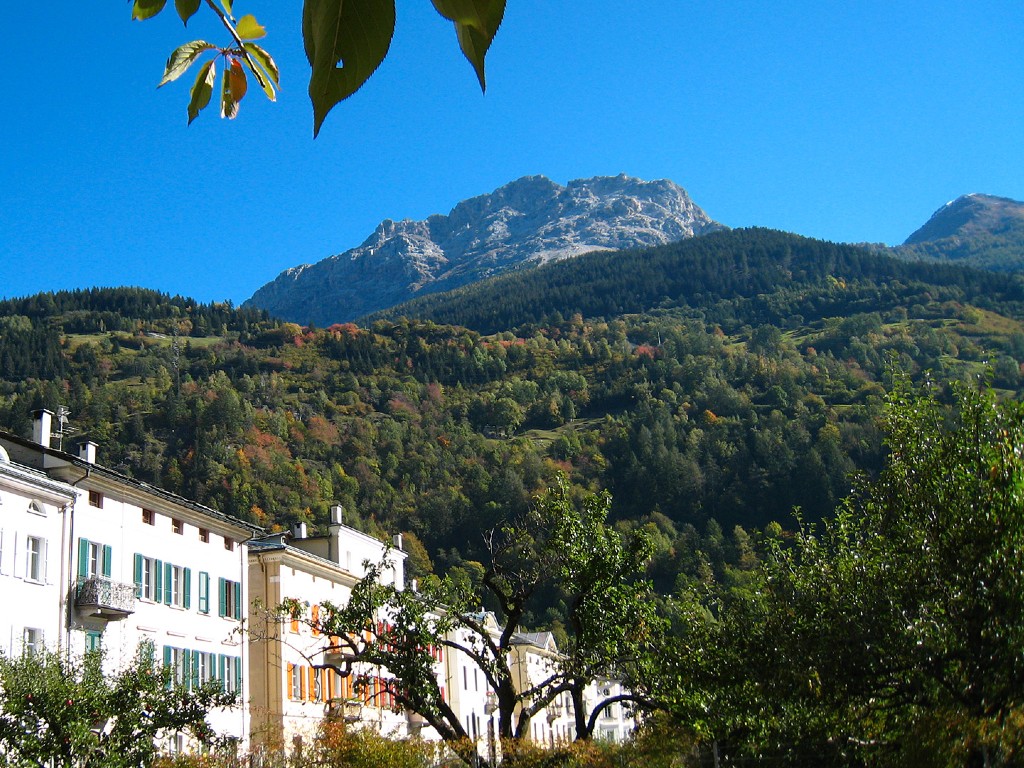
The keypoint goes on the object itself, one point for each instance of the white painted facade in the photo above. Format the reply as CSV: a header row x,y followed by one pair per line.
x,y
33,511
135,565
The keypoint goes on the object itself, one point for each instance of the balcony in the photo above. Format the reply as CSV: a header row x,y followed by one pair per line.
x,y
105,599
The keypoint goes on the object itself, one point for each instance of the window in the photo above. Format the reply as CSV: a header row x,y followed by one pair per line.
x,y
32,640
231,673
230,593
178,585
93,640
204,592
204,535
148,578
148,516
229,544
94,560
95,499
36,508
178,661
295,679
35,559
177,526
206,666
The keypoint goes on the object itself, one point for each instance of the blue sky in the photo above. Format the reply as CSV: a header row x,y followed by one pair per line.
x,y
848,123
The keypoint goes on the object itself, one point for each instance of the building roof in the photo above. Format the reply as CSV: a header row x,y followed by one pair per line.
x,y
116,477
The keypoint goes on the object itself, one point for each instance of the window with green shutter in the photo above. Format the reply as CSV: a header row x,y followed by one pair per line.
x,y
204,592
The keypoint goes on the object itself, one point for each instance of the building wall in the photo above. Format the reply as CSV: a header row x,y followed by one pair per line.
x,y
293,691
32,514
142,550
190,594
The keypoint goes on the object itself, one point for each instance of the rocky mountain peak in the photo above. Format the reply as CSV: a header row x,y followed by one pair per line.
x,y
528,221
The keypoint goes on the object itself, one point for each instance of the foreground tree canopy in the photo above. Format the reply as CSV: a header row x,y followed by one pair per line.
x,y
561,550
345,42
64,712
895,633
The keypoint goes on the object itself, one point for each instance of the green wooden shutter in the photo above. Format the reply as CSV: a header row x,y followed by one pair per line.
x,y
108,557
138,575
222,665
204,592
186,581
186,668
196,682
167,665
238,600
238,675
83,558
222,590
168,583
158,575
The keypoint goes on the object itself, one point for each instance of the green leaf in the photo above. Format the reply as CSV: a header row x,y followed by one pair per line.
x,y
186,9
202,91
250,29
355,34
233,89
226,5
182,58
146,9
476,24
266,73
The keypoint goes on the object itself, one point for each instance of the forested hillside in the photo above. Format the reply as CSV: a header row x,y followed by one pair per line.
x,y
711,386
734,278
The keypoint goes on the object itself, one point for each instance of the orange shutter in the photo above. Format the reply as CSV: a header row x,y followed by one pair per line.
x,y
291,680
311,687
316,620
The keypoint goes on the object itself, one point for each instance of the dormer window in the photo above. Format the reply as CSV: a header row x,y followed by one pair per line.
x,y
96,499
36,508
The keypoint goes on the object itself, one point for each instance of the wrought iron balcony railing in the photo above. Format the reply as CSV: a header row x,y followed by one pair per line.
x,y
103,598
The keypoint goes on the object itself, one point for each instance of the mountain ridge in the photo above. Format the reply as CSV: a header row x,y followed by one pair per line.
x,y
529,221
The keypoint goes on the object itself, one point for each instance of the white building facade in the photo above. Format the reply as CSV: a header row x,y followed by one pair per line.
x,y
137,568
33,516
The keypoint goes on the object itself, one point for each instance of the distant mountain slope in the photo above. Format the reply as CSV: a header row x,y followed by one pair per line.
x,y
743,268
527,222
979,230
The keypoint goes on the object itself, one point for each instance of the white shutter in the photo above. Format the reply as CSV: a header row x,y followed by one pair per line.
x,y
14,557
46,562
3,571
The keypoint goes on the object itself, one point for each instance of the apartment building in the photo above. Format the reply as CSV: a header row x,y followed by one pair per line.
x,y
299,676
33,516
135,566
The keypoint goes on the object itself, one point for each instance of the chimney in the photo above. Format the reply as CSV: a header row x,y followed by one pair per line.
x,y
299,530
397,538
334,534
42,427
87,451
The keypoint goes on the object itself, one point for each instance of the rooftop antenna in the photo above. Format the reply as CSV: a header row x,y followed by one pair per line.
x,y
64,427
